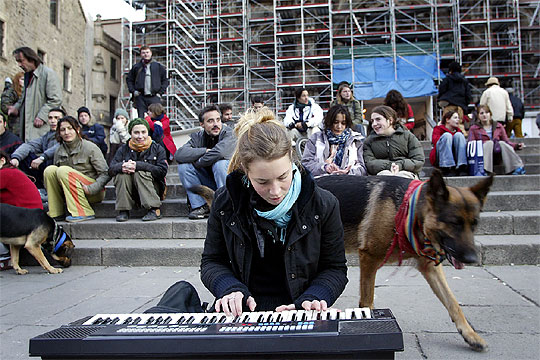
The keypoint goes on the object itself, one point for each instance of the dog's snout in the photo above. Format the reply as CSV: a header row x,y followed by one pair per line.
x,y
470,257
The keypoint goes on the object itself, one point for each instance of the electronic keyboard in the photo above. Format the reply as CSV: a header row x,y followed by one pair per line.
x,y
359,333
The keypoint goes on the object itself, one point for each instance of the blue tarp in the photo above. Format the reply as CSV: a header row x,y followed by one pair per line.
x,y
374,77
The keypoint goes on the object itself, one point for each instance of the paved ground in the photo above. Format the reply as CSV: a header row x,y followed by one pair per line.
x,y
501,302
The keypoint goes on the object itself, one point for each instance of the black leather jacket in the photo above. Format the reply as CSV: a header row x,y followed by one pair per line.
x,y
315,264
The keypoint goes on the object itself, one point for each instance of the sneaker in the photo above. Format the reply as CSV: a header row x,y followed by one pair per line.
x,y
199,213
79,218
152,214
519,171
123,215
59,218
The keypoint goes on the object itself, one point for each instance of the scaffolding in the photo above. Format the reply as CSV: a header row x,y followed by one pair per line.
x,y
227,51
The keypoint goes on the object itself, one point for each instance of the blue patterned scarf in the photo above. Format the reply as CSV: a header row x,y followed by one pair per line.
x,y
340,141
281,214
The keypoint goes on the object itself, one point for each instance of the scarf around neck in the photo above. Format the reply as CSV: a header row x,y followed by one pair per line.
x,y
340,141
140,147
281,214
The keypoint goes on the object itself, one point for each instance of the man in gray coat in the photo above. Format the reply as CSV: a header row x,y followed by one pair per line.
x,y
204,159
42,92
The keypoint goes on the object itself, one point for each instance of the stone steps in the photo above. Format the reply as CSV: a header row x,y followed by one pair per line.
x,y
532,169
491,223
492,250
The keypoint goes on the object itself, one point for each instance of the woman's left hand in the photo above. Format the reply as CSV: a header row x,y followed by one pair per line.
x,y
306,305
85,189
520,146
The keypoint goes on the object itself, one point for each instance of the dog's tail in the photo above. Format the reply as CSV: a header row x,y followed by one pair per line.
x,y
205,192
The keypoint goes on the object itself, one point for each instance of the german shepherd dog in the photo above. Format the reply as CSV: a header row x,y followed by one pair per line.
x,y
446,217
33,228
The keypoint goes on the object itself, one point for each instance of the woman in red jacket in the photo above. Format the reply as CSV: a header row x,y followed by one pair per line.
x,y
160,129
496,143
449,151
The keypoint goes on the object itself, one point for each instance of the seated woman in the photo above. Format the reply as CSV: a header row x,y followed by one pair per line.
x,y
118,135
160,129
405,115
304,116
337,149
274,238
78,174
139,168
496,143
95,132
390,149
449,151
344,96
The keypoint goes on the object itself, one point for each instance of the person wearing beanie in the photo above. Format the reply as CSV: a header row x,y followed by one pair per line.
x,y
95,133
118,134
139,169
498,101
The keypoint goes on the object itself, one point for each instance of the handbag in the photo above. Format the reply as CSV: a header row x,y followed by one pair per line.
x,y
475,158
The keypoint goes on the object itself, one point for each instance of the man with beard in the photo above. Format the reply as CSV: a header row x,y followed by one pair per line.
x,y
147,82
204,159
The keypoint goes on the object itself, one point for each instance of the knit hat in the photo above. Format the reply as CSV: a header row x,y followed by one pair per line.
x,y
138,121
492,81
83,109
122,112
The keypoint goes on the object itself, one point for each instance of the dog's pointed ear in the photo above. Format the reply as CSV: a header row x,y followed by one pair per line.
x,y
481,188
437,190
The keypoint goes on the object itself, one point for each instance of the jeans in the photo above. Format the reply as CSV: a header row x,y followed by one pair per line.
x,y
191,176
452,150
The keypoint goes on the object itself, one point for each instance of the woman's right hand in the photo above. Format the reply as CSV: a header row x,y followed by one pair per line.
x,y
231,304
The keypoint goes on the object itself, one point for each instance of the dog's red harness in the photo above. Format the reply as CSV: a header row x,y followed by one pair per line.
x,y
409,235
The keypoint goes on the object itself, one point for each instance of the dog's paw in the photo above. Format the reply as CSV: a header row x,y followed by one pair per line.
x,y
476,342
55,271
21,271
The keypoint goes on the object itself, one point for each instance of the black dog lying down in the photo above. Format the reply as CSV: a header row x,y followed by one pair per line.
x,y
33,228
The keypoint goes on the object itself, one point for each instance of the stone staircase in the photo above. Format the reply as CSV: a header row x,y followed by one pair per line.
x,y
507,233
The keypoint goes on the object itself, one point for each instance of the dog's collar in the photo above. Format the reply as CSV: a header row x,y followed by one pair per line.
x,y
59,242
409,236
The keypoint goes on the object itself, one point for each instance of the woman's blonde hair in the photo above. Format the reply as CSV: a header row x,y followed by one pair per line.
x,y
339,99
260,136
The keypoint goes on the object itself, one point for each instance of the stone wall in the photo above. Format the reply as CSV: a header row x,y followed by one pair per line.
x,y
27,23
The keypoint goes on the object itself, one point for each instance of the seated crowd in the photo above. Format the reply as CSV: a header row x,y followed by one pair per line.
x,y
72,164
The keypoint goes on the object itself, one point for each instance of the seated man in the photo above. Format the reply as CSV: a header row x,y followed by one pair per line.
x,y
204,159
9,142
34,156
226,115
139,169
257,103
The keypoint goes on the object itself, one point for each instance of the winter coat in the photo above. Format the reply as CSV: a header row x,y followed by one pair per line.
x,y
355,110
498,101
314,256
86,158
317,150
135,78
168,141
9,142
18,190
9,97
194,151
45,146
517,106
152,160
39,97
96,134
477,132
437,133
313,115
456,90
402,148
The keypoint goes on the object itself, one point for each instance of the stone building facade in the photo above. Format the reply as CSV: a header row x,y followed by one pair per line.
x,y
83,54
57,31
